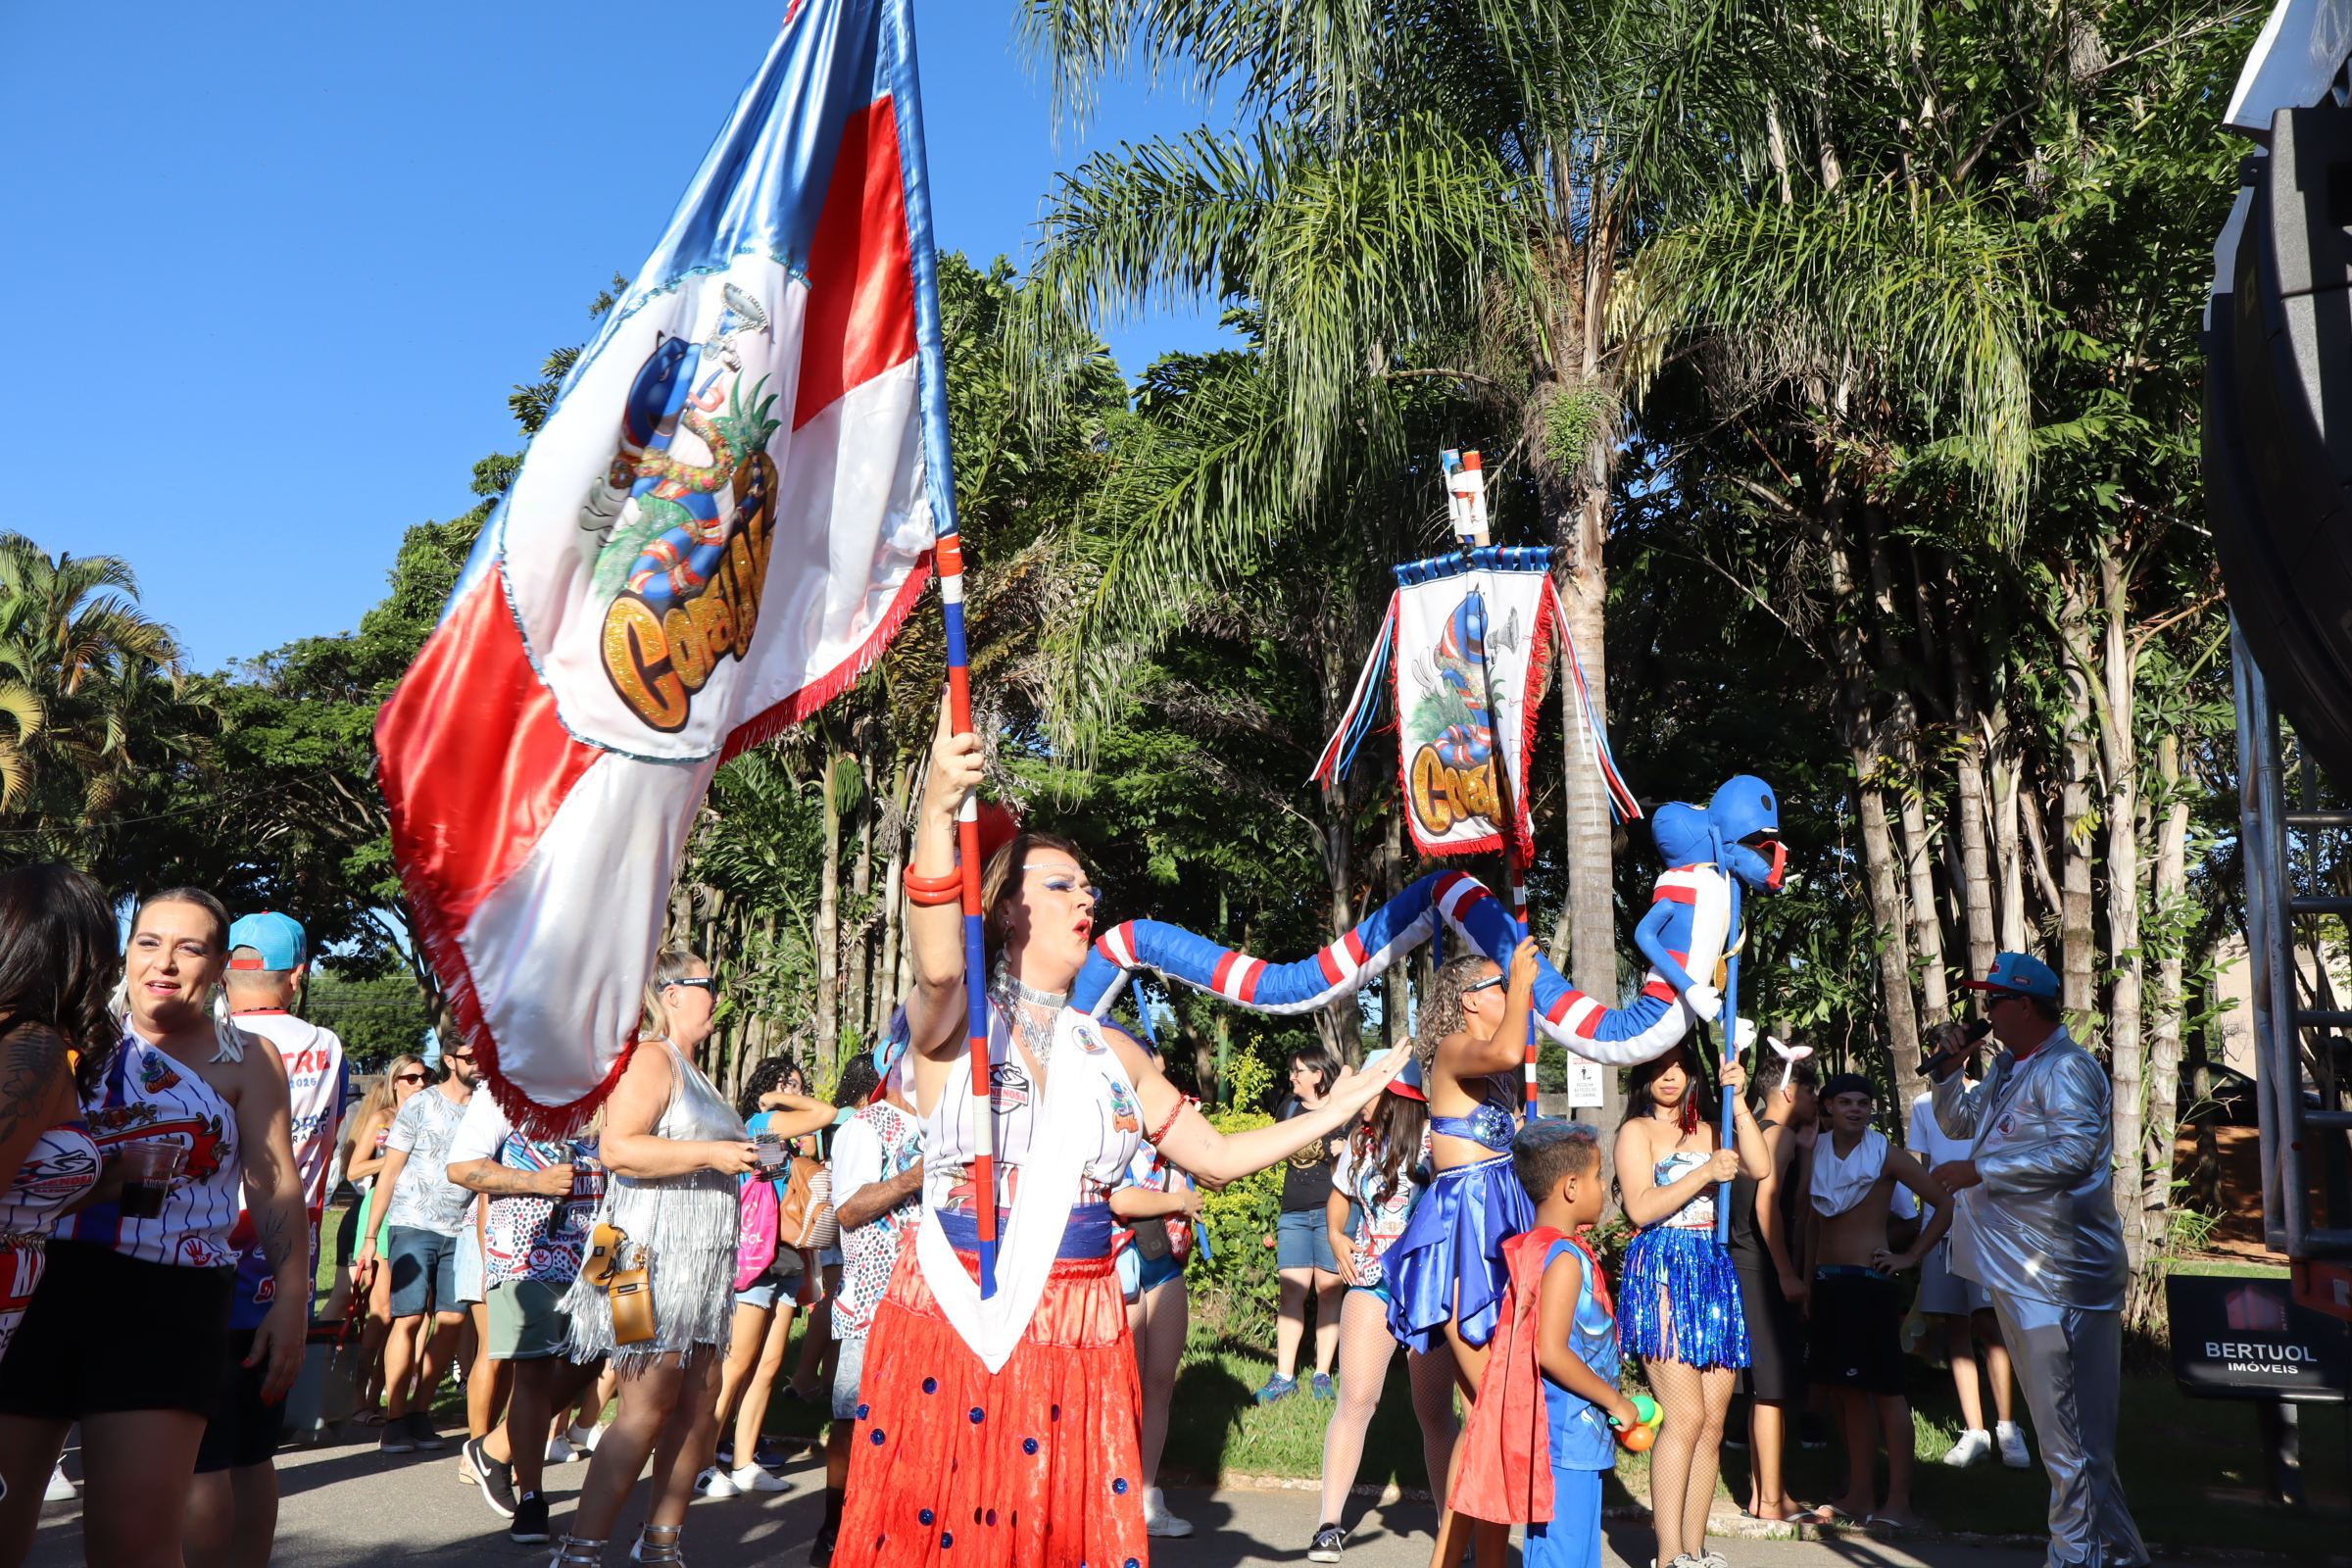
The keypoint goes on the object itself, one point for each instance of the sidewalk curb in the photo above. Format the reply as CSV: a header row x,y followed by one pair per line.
x,y
1741,1527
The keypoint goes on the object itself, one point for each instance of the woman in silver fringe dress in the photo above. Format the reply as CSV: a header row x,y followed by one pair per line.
x,y
672,1147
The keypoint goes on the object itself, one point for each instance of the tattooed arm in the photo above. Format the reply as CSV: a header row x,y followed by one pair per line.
x,y
282,1224
36,1093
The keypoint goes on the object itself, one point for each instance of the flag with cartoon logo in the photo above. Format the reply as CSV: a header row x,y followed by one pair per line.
x,y
725,518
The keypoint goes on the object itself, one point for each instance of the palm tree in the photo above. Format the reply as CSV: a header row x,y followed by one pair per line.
x,y
96,695
1435,194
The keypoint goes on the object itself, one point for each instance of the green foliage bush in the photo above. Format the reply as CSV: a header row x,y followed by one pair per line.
x,y
1235,1284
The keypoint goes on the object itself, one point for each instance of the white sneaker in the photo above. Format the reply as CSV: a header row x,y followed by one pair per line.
x,y
60,1490
755,1478
714,1483
1974,1447
583,1438
1157,1521
559,1452
2013,1446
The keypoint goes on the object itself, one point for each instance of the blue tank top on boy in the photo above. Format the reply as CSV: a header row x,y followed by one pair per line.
x,y
1581,1439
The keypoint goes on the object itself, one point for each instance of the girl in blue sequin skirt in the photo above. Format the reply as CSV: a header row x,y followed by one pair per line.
x,y
1679,1304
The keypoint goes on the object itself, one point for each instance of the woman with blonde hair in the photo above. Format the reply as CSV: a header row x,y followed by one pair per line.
x,y
672,1149
363,1158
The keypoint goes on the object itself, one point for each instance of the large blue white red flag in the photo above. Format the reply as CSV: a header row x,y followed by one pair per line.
x,y
730,510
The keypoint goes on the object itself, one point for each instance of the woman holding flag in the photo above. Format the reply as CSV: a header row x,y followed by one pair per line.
x,y
1007,1419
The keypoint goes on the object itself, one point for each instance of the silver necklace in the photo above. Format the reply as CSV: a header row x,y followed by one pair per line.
x,y
1011,991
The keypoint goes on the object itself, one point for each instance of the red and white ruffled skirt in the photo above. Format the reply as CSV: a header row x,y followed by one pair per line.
x,y
1036,1466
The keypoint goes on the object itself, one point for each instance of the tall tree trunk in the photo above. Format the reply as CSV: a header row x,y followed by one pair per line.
x,y
2076,940
828,913
894,905
861,943
2170,908
2005,776
1580,537
2127,1046
1969,808
1862,734
1340,1024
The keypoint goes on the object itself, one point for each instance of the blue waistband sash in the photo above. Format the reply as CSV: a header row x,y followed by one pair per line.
x,y
1088,1234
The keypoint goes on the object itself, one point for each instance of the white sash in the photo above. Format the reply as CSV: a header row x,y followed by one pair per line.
x,y
1083,1067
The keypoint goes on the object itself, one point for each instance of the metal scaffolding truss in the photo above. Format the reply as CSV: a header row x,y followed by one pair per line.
x,y
2294,1129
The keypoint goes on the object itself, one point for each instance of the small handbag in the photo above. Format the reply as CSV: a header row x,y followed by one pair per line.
x,y
805,1219
628,1291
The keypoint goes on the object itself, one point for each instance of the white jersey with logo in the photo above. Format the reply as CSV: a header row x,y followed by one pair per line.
x,y
317,1079
147,1096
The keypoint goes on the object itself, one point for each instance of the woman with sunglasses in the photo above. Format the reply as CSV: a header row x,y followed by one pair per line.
x,y
672,1149
998,1417
363,1154
1445,1274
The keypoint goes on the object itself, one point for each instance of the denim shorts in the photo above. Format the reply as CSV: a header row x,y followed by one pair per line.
x,y
1303,1239
774,1285
425,1272
849,1370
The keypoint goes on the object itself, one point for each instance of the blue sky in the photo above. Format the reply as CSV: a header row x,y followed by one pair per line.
x,y
276,266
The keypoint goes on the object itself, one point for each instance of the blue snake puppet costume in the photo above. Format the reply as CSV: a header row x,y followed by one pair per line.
x,y
1455,1234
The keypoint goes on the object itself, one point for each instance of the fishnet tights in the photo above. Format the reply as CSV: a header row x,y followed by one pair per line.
x,y
1365,1347
1690,1445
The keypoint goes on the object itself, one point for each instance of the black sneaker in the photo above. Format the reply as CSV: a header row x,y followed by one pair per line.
x,y
1812,1432
1328,1544
496,1480
821,1550
529,1528
397,1437
420,1431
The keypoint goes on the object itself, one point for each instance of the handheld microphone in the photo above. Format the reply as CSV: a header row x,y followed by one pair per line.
x,y
1950,1056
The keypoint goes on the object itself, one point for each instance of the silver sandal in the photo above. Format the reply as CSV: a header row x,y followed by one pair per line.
x,y
573,1552
648,1550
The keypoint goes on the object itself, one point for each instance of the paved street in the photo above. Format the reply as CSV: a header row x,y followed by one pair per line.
x,y
349,1505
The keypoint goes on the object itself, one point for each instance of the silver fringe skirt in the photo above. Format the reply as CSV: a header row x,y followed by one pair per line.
x,y
687,1227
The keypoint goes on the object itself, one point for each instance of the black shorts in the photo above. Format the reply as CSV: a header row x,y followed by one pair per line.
x,y
243,1431
1776,1340
347,1236
1857,1338
108,1332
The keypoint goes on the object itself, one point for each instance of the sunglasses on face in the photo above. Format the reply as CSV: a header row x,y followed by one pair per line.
x,y
1993,999
706,982
408,1077
1488,984
464,1059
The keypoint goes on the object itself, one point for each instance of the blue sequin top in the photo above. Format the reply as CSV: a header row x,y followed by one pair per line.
x,y
1491,1125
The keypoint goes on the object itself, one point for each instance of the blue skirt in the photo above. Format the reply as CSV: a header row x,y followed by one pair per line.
x,y
1452,1254
1680,1299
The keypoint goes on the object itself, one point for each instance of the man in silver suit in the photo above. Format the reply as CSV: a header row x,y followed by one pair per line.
x,y
2037,1228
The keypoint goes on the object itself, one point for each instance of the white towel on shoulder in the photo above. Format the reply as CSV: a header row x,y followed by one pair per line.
x,y
1838,1184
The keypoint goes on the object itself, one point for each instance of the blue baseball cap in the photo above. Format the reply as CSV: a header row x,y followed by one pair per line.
x,y
2014,971
277,938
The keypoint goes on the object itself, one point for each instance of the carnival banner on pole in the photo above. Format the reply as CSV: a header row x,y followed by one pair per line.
x,y
1456,631
728,513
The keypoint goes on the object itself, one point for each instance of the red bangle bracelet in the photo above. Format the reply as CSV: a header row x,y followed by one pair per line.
x,y
931,890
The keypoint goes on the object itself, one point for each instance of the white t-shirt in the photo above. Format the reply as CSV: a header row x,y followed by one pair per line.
x,y
1928,1140
857,1158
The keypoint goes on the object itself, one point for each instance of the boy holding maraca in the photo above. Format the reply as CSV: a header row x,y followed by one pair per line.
x,y
1542,1431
